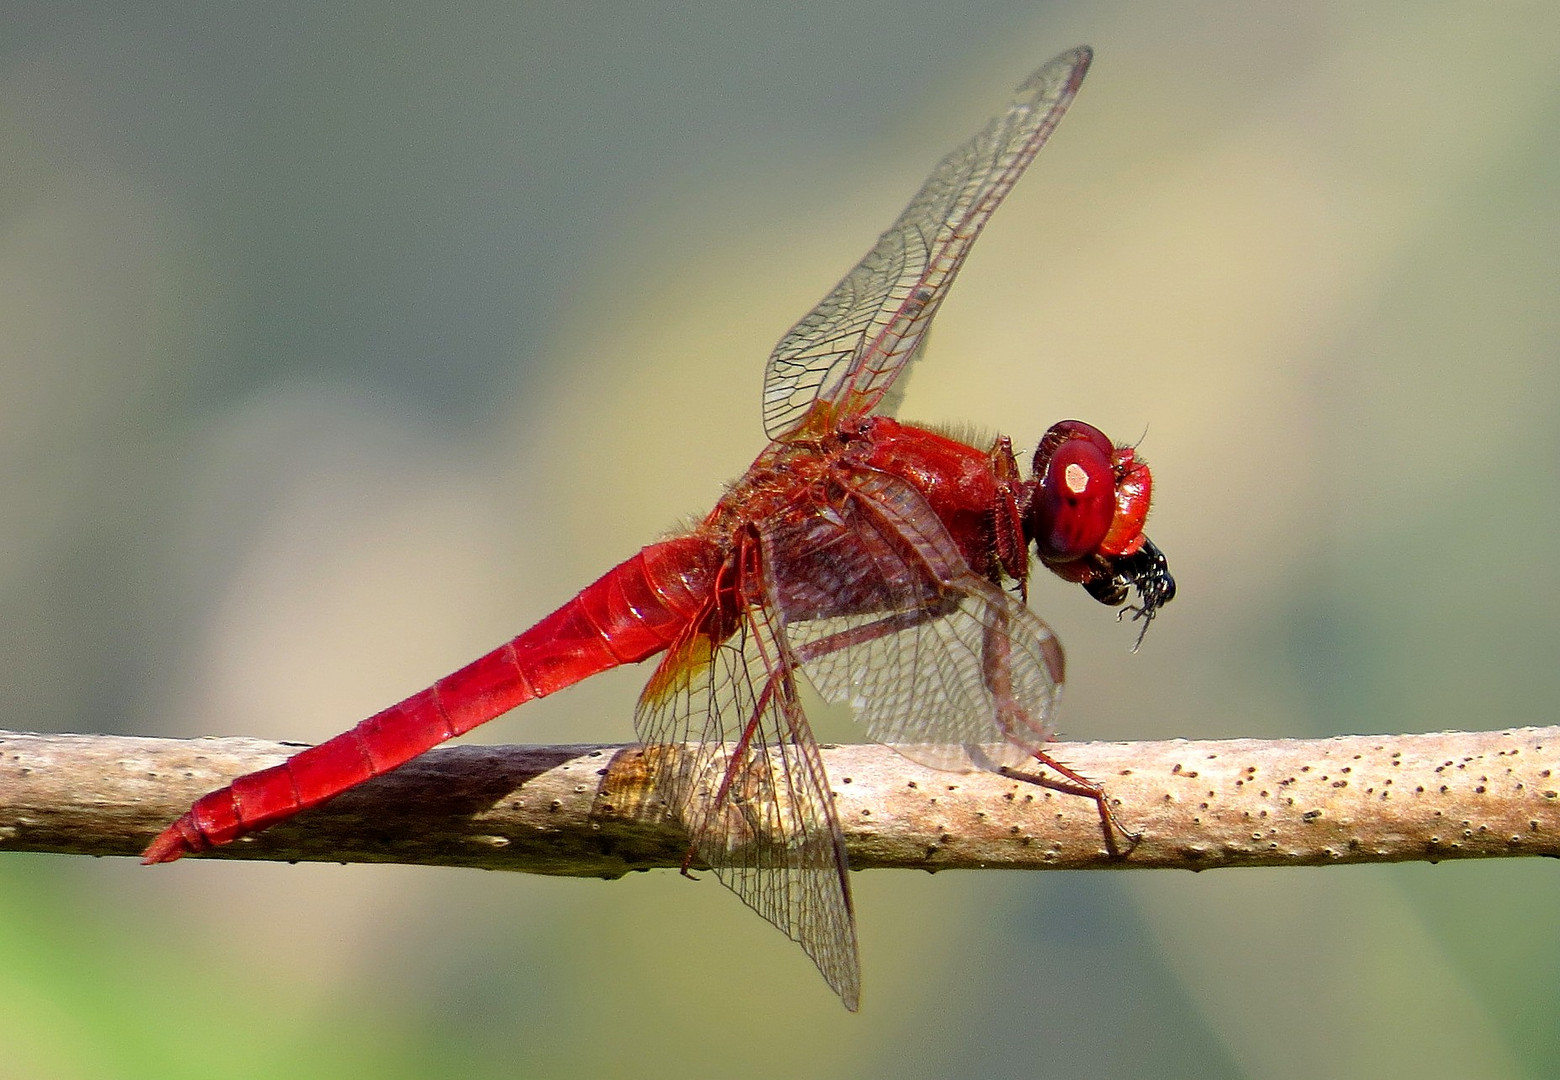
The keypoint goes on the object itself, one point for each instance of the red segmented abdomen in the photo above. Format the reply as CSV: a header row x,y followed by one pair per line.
x,y
633,611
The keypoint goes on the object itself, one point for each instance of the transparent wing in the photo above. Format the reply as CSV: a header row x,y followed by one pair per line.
x,y
742,772
936,661
852,346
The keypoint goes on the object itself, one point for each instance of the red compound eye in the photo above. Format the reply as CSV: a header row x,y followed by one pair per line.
x,y
1076,497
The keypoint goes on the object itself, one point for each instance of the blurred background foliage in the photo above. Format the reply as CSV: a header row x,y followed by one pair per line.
x,y
339,342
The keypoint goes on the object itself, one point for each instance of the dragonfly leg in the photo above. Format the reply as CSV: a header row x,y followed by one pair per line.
x,y
872,631
1075,783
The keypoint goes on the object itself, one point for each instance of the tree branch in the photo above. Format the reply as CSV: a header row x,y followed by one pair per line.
x,y
589,810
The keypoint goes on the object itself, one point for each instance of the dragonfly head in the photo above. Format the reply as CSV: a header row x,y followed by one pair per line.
x,y
1085,516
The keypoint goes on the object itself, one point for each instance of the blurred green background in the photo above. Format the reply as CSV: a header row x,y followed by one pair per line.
x,y
340,342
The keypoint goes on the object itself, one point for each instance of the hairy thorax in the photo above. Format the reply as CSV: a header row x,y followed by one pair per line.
x,y
797,500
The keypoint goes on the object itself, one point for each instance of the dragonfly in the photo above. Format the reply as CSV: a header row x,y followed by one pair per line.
x,y
884,562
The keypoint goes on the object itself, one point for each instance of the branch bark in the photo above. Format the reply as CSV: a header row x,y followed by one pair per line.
x,y
590,810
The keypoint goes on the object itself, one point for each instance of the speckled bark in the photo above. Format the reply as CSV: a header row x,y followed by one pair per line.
x,y
588,810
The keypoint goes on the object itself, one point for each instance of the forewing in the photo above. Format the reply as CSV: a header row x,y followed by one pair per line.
x,y
852,346
935,660
741,770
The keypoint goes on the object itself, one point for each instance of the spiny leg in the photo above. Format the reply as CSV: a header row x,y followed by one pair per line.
x,y
1014,719
872,631
1075,783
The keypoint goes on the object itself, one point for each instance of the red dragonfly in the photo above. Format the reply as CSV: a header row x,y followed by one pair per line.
x,y
867,554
